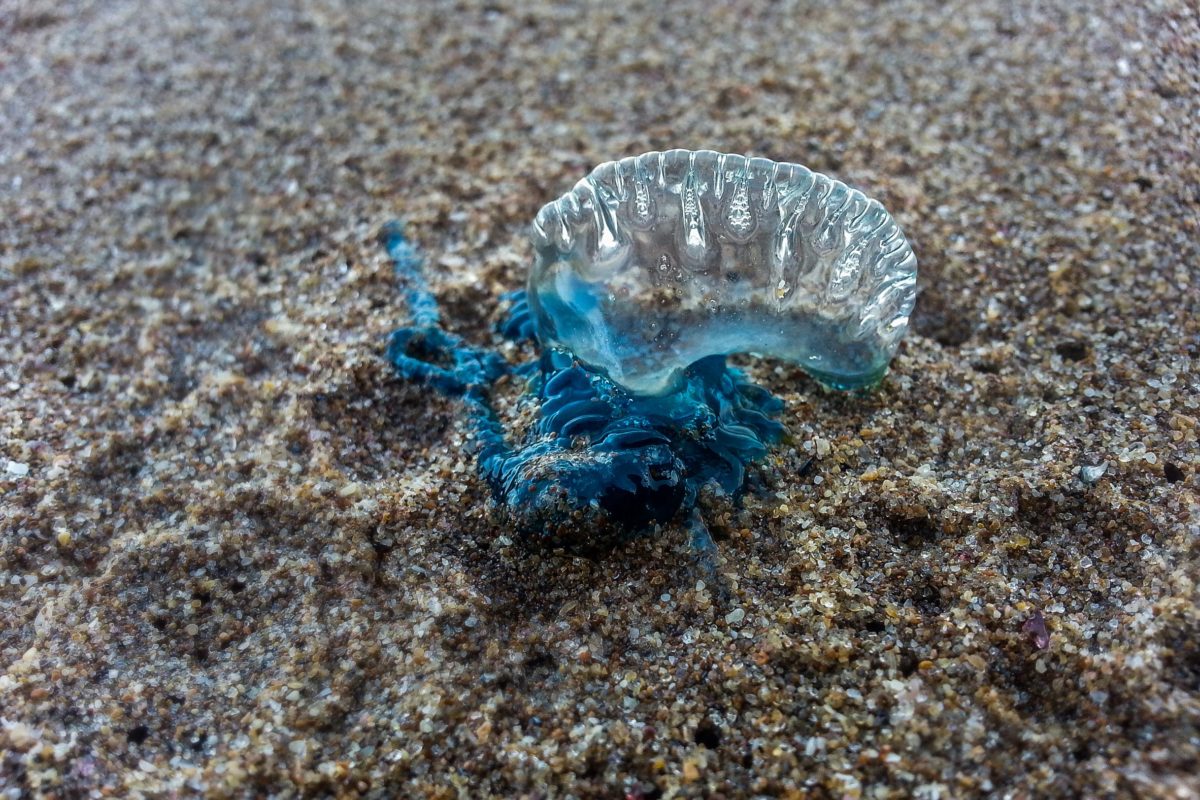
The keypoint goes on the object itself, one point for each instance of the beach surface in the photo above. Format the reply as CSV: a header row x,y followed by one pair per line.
x,y
240,558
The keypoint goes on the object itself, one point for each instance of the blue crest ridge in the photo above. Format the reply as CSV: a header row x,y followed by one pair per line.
x,y
596,448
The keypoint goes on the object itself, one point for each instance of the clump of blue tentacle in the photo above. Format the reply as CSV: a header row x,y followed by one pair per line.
x,y
596,450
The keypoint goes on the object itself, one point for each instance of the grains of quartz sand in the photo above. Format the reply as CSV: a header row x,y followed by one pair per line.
x,y
238,557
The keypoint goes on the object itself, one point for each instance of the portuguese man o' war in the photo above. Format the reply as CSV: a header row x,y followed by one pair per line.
x,y
637,410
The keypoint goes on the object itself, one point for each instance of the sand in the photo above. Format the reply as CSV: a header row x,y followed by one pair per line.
x,y
239,558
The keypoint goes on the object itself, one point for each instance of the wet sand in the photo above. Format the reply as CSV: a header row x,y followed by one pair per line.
x,y
239,558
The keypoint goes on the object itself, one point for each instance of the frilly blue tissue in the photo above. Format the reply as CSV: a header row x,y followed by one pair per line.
x,y
597,453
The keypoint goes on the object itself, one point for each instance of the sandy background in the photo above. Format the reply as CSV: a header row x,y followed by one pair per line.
x,y
237,557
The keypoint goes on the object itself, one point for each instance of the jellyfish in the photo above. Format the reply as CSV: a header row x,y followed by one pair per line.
x,y
647,275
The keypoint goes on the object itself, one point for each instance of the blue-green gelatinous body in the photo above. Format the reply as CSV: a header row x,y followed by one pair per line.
x,y
653,263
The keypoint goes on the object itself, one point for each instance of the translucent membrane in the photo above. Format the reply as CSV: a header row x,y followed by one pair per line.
x,y
652,263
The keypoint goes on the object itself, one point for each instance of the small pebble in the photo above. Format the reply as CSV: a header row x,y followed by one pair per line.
x,y
1091,473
